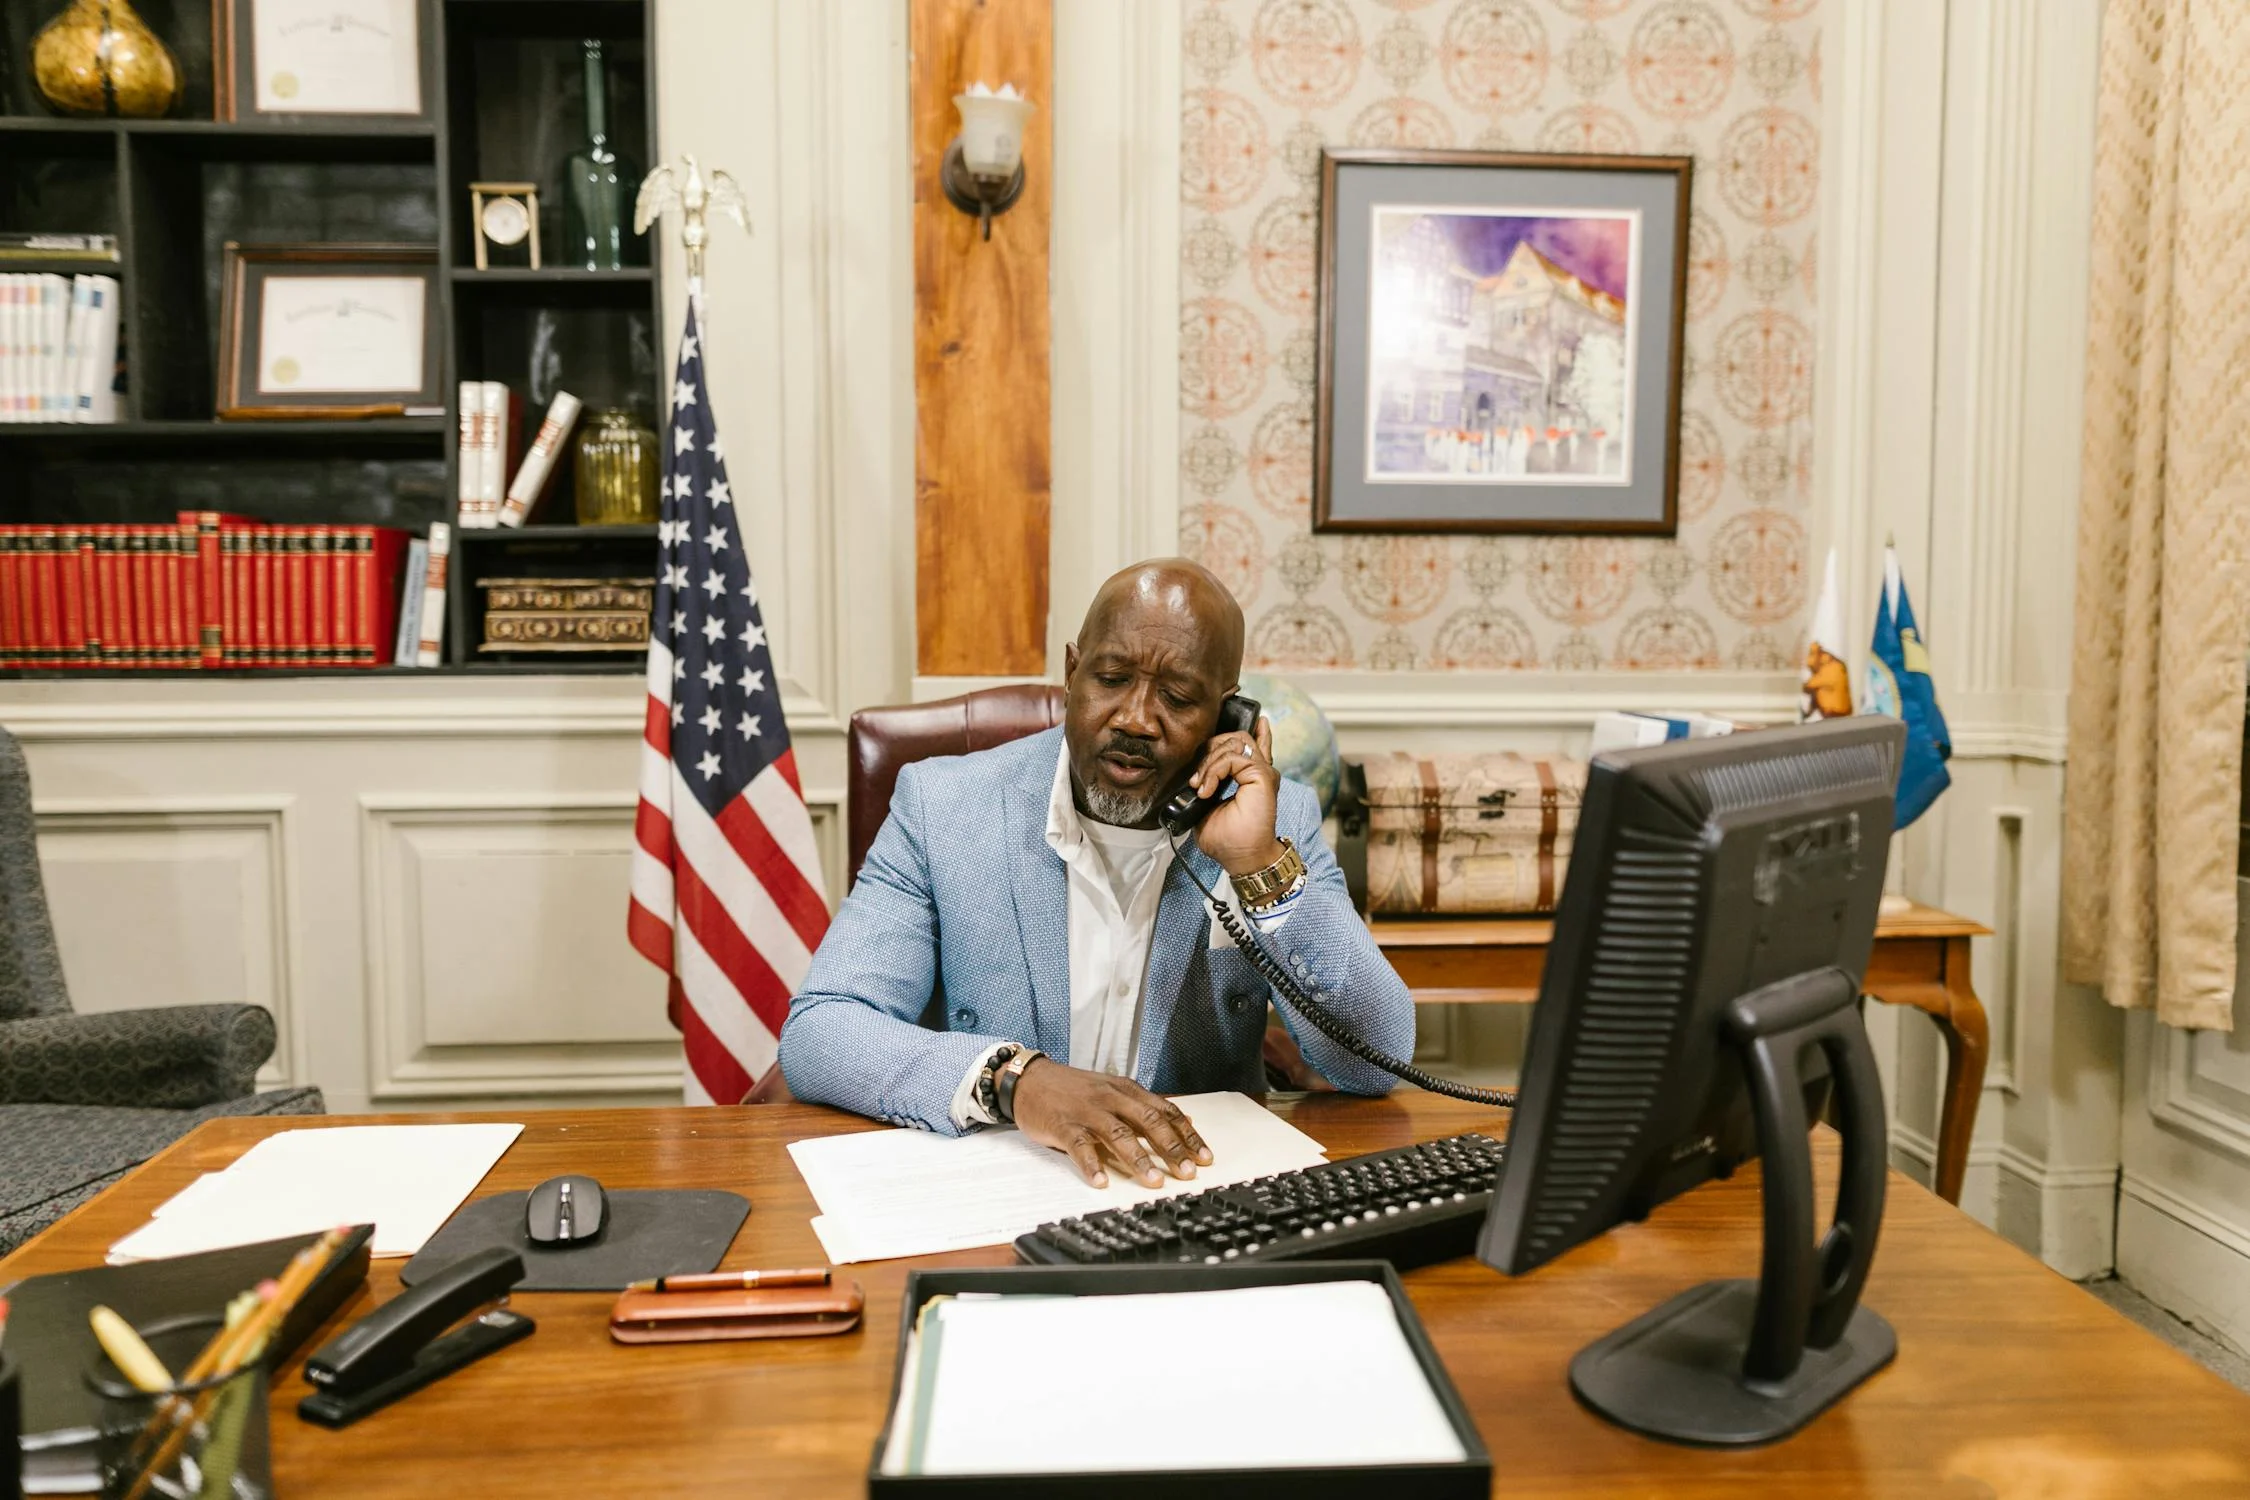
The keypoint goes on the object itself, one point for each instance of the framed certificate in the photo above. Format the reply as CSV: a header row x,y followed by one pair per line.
x,y
329,331
280,59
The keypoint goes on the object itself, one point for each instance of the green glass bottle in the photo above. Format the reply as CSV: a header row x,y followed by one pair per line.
x,y
598,186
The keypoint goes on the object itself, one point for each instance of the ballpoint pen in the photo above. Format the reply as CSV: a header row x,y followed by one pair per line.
x,y
730,1281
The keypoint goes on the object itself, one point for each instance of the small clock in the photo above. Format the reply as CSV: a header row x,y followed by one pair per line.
x,y
506,218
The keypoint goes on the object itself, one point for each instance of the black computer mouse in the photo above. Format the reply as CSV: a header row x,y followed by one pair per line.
x,y
565,1211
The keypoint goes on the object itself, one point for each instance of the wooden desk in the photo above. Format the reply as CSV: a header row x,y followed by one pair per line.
x,y
1921,959
2010,1381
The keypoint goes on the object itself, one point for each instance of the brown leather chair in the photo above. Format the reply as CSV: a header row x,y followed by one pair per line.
x,y
884,740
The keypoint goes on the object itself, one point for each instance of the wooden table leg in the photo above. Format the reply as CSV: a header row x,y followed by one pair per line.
x,y
1952,1003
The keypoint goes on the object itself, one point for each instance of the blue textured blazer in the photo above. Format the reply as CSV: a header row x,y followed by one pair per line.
x,y
962,899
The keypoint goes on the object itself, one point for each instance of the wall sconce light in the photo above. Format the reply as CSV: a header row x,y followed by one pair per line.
x,y
983,170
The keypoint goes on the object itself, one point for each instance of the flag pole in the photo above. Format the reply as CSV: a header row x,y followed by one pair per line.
x,y
682,185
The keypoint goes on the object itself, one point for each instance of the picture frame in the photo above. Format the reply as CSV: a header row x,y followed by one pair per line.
x,y
329,331
323,60
1501,342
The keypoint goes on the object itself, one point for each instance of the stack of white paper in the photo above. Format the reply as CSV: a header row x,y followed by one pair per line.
x,y
1204,1360
907,1192
406,1180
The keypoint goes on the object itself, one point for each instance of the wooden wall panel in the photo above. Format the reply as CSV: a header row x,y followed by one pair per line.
x,y
983,467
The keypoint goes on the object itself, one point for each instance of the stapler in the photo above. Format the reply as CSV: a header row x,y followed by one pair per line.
x,y
396,1349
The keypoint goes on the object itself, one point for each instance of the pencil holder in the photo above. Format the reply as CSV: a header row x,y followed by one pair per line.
x,y
197,1440
11,1432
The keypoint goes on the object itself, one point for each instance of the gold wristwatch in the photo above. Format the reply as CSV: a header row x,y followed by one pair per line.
x,y
1261,889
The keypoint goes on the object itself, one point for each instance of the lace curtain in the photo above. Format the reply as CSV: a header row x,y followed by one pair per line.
x,y
2163,611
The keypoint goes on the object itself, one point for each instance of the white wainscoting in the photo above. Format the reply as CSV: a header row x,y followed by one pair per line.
x,y
174,901
494,964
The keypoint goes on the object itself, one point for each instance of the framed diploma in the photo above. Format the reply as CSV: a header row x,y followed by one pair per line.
x,y
279,59
313,331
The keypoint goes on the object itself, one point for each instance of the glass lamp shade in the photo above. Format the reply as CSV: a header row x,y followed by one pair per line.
x,y
992,131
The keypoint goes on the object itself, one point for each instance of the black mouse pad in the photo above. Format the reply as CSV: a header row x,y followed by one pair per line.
x,y
658,1233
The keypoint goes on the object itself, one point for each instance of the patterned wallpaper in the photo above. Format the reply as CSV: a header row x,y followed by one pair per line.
x,y
1733,83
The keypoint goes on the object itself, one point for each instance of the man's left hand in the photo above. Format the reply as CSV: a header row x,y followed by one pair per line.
x,y
1239,834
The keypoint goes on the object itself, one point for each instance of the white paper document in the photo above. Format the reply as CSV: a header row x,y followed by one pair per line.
x,y
887,1193
406,1180
1358,1397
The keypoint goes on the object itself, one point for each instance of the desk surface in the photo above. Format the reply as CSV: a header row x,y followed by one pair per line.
x,y
2010,1381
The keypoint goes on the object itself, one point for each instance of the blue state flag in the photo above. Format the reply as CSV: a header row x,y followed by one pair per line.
x,y
1899,684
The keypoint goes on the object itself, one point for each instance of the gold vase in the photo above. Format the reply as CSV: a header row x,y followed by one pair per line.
x,y
99,58
616,469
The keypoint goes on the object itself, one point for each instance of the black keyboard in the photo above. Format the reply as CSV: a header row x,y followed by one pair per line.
x,y
1411,1206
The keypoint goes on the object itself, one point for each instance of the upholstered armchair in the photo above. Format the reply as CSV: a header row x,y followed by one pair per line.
x,y
86,1098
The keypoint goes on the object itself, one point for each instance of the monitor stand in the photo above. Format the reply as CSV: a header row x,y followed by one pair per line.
x,y
1737,1363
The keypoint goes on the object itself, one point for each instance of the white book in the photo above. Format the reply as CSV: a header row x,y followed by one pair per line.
x,y
95,388
539,463
406,649
55,369
492,477
440,549
469,463
37,357
74,342
11,284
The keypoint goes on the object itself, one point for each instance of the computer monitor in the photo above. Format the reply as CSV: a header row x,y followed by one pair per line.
x,y
1700,997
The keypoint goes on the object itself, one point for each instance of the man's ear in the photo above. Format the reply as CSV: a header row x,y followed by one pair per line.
x,y
1070,660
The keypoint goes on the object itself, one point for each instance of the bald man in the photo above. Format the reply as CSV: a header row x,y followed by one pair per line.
x,y
1029,891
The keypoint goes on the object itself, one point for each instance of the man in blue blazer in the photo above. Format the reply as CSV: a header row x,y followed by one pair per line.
x,y
1030,890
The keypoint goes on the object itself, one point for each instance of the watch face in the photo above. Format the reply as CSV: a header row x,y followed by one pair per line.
x,y
506,221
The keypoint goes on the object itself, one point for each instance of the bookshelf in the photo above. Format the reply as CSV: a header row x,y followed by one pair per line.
x,y
508,104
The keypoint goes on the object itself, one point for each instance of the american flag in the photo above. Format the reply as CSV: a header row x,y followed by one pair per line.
x,y
727,890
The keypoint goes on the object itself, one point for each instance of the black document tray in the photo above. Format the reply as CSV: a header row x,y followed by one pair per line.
x,y
651,1232
1470,1479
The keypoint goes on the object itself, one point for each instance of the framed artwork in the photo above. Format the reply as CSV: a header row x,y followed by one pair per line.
x,y
289,59
1500,342
312,331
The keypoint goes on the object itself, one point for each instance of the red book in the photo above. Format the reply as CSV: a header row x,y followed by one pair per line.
x,y
262,651
73,590
11,605
346,628
188,559
82,568
139,637
378,555
47,637
160,593
109,585
320,604
296,638
179,629
222,625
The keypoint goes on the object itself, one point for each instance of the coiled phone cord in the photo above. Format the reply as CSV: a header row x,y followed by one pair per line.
x,y
1324,1020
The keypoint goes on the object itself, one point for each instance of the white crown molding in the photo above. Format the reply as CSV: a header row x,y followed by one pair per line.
x,y
362,708
1499,700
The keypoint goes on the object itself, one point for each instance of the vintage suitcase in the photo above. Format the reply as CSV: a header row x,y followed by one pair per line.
x,y
1485,834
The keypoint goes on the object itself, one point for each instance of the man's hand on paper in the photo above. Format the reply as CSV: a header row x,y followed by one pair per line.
x,y
1096,1119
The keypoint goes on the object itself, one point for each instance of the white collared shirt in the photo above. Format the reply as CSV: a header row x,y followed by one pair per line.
x,y
1116,879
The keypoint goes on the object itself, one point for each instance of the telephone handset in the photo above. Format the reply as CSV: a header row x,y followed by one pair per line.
x,y
1184,812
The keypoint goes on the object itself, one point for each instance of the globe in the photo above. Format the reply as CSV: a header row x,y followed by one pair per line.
x,y
1304,742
